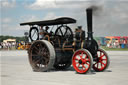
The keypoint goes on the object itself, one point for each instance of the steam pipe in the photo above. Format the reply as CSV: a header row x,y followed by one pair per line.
x,y
89,12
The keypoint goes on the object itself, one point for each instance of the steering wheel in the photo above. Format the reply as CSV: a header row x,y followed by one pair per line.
x,y
34,33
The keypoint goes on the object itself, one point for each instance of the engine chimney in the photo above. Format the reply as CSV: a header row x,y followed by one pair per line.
x,y
89,23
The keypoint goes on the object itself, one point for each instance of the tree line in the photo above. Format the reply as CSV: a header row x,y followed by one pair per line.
x,y
12,37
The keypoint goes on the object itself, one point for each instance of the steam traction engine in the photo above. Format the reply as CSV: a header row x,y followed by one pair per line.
x,y
60,49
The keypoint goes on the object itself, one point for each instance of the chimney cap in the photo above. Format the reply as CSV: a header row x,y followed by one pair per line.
x,y
89,9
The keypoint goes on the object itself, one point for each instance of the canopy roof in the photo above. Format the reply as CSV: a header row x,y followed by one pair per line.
x,y
62,20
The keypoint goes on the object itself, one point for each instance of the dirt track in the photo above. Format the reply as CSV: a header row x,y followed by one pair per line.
x,y
15,70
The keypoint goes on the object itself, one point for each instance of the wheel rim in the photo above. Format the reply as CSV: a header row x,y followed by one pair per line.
x,y
101,61
39,57
81,61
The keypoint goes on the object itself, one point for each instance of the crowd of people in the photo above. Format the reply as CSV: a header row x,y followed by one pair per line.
x,y
22,45
7,45
115,43
10,45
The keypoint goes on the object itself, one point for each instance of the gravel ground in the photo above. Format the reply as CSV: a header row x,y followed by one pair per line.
x,y
15,70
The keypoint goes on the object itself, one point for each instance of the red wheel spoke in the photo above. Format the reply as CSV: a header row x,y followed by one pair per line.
x,y
83,66
87,64
102,56
81,54
103,63
76,58
85,56
78,65
87,59
82,69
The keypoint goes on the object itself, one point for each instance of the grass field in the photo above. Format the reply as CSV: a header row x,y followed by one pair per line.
x,y
114,49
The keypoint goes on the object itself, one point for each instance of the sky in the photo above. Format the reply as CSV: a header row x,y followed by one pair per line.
x,y
110,17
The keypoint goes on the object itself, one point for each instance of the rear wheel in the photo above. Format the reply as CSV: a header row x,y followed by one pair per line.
x,y
41,55
102,61
82,61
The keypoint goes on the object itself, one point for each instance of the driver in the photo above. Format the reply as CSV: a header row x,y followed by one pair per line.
x,y
47,28
41,32
79,28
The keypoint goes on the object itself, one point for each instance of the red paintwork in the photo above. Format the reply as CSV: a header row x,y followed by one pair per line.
x,y
82,56
126,38
118,38
101,64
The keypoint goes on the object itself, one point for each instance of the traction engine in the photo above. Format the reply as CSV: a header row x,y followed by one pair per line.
x,y
62,48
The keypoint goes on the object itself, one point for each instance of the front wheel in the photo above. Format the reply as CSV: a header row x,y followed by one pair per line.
x,y
102,61
82,61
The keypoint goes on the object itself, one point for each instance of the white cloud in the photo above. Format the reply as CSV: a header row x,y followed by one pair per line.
x,y
8,4
14,30
52,4
28,18
110,20
31,18
70,4
50,15
6,20
42,4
